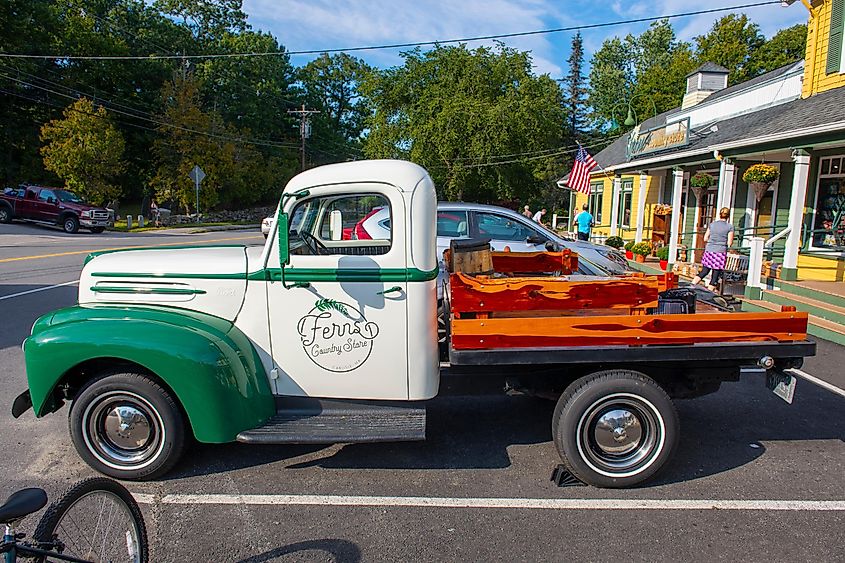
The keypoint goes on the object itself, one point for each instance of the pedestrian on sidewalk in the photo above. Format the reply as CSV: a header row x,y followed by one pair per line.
x,y
719,237
526,211
585,223
539,216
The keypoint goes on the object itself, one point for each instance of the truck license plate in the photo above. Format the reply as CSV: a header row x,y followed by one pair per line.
x,y
782,385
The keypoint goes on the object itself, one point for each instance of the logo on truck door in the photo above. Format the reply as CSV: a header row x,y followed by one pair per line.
x,y
336,336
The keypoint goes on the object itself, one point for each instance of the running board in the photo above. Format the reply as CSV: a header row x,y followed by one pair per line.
x,y
330,421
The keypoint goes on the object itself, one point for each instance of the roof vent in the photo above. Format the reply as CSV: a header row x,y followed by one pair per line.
x,y
703,81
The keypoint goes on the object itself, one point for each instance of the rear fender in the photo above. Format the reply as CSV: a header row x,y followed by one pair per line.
x,y
208,363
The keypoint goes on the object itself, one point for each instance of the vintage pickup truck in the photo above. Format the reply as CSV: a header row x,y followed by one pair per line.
x,y
316,338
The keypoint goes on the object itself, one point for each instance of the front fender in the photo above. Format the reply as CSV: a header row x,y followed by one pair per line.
x,y
210,365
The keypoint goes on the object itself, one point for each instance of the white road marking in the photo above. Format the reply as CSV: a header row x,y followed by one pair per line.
x,y
823,384
507,503
22,293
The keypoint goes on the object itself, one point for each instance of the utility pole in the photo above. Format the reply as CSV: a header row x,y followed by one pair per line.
x,y
304,129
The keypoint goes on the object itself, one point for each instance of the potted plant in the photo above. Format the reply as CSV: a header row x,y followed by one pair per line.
x,y
663,256
700,183
628,254
641,250
614,242
760,177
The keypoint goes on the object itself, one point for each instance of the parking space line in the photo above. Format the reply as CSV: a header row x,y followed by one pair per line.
x,y
820,382
22,293
501,503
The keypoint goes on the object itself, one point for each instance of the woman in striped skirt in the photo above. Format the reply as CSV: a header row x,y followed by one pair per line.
x,y
719,237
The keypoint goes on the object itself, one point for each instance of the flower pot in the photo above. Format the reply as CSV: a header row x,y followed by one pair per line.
x,y
640,258
760,189
629,255
664,264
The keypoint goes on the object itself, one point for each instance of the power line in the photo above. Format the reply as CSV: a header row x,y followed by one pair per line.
x,y
396,45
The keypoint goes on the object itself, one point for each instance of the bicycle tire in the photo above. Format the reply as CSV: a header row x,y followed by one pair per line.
x,y
83,504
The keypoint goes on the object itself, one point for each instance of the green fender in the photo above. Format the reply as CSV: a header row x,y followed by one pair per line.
x,y
210,365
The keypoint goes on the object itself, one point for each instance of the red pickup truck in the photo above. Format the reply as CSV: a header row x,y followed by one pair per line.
x,y
52,205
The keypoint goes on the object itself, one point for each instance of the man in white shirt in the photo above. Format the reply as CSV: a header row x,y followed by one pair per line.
x,y
539,215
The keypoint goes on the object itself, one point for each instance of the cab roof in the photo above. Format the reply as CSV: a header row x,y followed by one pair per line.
x,y
399,173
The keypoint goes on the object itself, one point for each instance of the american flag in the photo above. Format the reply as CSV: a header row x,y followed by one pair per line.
x,y
579,178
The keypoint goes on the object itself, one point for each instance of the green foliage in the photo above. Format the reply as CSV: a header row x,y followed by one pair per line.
x,y
642,248
732,42
454,110
702,180
662,253
629,245
85,150
785,47
331,304
615,242
575,90
763,173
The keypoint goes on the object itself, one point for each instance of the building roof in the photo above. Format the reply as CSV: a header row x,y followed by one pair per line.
x,y
709,67
751,83
792,119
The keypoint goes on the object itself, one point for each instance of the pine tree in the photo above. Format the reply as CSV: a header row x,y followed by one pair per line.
x,y
575,92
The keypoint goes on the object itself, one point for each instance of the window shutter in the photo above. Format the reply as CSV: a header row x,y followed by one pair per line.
x,y
834,44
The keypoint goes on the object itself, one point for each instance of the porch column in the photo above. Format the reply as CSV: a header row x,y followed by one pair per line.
x,y
614,202
796,214
641,206
727,181
677,190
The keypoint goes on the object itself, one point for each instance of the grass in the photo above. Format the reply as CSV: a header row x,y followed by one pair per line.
x,y
121,226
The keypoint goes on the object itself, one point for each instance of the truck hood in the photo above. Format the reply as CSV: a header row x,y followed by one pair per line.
x,y
207,279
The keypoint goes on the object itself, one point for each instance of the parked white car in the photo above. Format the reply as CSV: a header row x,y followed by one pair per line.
x,y
266,224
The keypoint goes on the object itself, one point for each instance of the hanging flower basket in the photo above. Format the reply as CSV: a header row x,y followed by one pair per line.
x,y
760,177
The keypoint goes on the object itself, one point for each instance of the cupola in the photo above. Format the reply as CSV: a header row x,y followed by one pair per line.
x,y
703,81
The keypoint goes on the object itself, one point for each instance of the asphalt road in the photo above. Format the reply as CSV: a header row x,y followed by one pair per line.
x,y
478,489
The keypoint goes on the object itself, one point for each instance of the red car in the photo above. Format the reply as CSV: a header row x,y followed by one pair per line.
x,y
52,205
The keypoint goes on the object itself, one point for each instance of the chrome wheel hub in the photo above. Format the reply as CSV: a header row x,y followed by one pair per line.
x,y
127,427
618,431
123,430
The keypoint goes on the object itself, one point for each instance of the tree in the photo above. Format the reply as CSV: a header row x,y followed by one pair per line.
x,y
476,119
207,19
785,47
732,42
85,150
331,85
575,92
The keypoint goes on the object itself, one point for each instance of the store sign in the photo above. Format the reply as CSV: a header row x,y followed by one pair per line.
x,y
664,137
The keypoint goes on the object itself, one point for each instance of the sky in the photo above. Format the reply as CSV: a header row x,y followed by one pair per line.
x,y
326,24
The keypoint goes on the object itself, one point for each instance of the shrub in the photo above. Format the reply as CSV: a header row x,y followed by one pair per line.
x,y
762,173
629,245
643,248
663,253
615,242
702,180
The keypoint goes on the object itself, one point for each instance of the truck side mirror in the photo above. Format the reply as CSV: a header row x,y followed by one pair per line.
x,y
284,249
336,224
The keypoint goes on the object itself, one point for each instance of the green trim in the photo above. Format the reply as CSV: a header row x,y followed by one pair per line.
x,y
298,275
834,42
753,293
210,366
820,310
829,298
789,274
148,290
93,255
812,329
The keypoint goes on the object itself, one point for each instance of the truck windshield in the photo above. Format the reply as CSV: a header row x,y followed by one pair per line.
x,y
70,197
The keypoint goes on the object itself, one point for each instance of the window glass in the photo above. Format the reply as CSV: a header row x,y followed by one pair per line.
x,y
596,202
46,195
625,199
30,194
834,166
352,225
829,227
452,224
499,227
825,166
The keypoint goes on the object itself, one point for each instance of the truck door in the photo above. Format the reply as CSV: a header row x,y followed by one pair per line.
x,y
46,208
26,207
338,320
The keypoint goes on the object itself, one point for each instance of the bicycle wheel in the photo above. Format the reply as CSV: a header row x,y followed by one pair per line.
x,y
97,520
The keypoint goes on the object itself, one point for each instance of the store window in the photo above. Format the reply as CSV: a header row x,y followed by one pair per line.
x,y
596,202
829,220
625,199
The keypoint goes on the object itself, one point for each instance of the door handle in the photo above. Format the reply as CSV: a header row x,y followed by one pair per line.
x,y
393,289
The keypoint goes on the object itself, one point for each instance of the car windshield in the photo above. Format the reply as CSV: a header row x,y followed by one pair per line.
x,y
67,196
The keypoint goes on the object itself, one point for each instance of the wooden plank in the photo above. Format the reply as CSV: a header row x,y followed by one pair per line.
x,y
476,294
475,334
564,262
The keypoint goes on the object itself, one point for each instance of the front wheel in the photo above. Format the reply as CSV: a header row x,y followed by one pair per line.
x,y
96,520
127,426
615,428
70,224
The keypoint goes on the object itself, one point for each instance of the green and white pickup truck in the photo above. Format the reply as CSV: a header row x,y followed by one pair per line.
x,y
321,336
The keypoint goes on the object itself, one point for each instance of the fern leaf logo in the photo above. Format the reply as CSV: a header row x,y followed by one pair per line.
x,y
329,304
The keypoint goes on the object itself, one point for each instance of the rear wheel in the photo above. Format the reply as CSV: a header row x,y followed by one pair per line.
x,y
70,224
5,214
127,426
98,520
615,428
